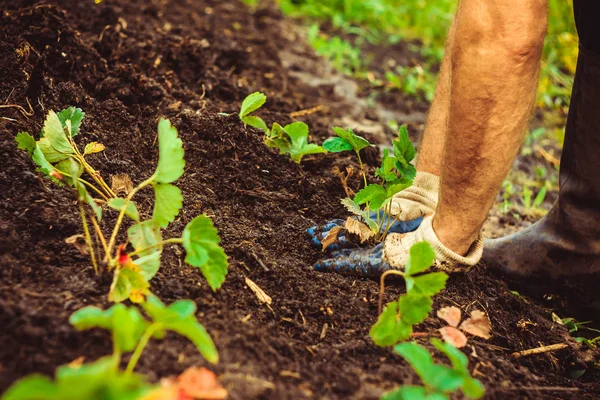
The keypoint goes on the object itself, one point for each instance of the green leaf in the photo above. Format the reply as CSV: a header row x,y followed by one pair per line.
x,y
170,153
50,152
404,146
298,133
179,317
418,357
131,210
25,142
53,131
85,197
414,308
128,284
256,122
473,388
251,103
412,393
421,258
459,361
395,188
443,378
167,203
357,142
142,235
201,243
296,153
373,194
390,328
336,145
75,115
71,167
32,387
43,165
355,209
429,284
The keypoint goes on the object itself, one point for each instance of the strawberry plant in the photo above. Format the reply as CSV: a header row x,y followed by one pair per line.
x,y
131,332
291,139
347,140
395,323
57,156
439,380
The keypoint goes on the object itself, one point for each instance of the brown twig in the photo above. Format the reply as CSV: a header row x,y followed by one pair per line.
x,y
304,113
539,350
21,109
382,286
547,156
542,388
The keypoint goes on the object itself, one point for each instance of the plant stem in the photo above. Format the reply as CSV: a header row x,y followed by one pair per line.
x,y
100,234
382,285
140,347
84,182
388,214
159,244
88,238
113,236
362,168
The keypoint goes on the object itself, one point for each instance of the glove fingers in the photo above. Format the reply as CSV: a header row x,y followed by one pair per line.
x,y
361,263
406,226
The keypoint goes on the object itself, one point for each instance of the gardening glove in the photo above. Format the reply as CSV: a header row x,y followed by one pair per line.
x,y
393,254
319,232
419,200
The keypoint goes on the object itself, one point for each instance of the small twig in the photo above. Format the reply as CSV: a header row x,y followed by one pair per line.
x,y
539,350
304,113
21,109
382,286
542,388
547,156
259,261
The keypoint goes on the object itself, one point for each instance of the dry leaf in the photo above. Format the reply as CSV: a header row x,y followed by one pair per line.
x,y
260,294
332,237
201,383
478,325
77,363
358,228
344,179
93,147
451,315
453,336
121,183
79,242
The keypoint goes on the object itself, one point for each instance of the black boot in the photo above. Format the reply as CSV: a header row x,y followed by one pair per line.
x,y
567,240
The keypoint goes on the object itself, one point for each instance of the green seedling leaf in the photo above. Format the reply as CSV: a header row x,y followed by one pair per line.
x,y
180,317
201,242
32,387
336,145
167,203
142,236
357,142
251,103
170,153
131,210
54,132
298,133
50,152
256,122
84,196
471,387
71,167
421,258
403,146
429,284
93,147
414,308
443,378
412,393
25,142
277,138
75,115
390,328
373,194
126,324
40,160
417,356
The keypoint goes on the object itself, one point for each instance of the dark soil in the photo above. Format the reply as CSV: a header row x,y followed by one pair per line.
x,y
127,63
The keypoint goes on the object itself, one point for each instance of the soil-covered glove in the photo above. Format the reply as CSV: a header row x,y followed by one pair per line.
x,y
319,232
419,200
397,246
358,262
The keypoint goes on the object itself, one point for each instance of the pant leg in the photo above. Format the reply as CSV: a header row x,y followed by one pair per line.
x,y
587,20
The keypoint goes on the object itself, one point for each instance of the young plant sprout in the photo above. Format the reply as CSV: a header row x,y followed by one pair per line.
x,y
57,156
439,380
131,332
347,140
291,139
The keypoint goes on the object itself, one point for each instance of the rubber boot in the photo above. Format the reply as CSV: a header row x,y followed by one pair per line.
x,y
567,240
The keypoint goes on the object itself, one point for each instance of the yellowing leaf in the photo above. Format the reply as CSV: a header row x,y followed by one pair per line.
x,y
478,325
93,147
453,336
54,132
358,228
451,315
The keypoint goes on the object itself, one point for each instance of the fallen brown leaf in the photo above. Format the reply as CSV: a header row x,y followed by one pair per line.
x,y
451,315
477,325
79,242
121,183
358,228
331,237
453,336
201,383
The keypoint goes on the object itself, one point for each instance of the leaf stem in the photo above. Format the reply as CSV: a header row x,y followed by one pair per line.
x,y
140,347
159,244
388,214
84,182
88,238
113,236
382,285
362,168
100,234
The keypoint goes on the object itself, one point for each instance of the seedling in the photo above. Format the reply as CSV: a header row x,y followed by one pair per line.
x,y
439,380
396,174
347,140
131,332
57,156
291,139
575,326
395,323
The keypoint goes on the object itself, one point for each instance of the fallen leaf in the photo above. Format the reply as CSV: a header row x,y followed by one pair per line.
x,y
121,183
358,228
201,383
79,242
260,294
93,147
478,325
453,336
331,237
451,315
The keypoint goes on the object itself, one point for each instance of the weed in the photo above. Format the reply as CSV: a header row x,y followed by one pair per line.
x,y
291,139
439,380
57,156
415,81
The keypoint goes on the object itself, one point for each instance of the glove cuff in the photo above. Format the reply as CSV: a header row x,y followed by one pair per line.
x,y
397,248
424,190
